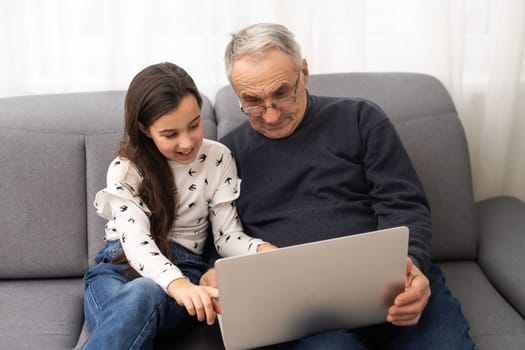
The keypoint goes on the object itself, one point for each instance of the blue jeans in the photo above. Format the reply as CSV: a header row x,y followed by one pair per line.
x,y
441,326
128,313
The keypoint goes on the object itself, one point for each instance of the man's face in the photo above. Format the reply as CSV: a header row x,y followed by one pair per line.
x,y
273,83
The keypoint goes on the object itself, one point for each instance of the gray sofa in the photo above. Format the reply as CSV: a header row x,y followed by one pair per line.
x,y
54,150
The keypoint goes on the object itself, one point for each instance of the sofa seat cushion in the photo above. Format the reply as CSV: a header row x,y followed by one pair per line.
x,y
495,324
41,314
501,245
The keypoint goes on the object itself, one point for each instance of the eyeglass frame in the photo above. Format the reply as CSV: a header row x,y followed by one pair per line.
x,y
246,110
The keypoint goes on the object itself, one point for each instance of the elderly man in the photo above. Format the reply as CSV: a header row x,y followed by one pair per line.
x,y
315,168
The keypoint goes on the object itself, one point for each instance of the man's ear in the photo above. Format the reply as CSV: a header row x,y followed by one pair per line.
x,y
305,71
143,129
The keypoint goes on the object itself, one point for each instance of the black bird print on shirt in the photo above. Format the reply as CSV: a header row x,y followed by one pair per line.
x,y
196,181
219,161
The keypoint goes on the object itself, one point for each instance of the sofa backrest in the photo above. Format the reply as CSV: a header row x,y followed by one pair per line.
x,y
54,153
55,149
427,121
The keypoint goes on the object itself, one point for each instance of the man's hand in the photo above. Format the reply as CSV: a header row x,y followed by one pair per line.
x,y
409,305
196,299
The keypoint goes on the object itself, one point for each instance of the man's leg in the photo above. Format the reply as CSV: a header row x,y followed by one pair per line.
x,y
338,339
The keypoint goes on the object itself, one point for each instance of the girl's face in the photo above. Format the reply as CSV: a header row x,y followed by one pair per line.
x,y
178,134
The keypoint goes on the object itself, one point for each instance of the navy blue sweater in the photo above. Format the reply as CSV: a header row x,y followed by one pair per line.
x,y
343,171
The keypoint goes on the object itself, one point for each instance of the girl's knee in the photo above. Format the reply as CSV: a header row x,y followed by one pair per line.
x,y
145,290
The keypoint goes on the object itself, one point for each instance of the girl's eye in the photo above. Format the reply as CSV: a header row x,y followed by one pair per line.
x,y
194,126
171,136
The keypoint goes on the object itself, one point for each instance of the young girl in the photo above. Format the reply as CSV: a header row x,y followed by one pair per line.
x,y
164,188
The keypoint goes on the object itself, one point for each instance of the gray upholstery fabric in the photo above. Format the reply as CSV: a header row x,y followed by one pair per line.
x,y
40,314
43,178
494,323
54,151
501,223
100,150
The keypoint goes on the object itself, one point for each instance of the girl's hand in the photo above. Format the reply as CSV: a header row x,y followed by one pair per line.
x,y
265,246
196,299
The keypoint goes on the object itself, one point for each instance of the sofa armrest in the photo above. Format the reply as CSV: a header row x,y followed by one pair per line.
x,y
501,227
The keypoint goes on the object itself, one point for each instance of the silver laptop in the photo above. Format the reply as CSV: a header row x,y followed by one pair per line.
x,y
289,293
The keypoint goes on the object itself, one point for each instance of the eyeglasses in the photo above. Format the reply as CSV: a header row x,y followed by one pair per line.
x,y
279,104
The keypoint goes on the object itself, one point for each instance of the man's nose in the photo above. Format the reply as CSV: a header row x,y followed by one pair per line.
x,y
271,115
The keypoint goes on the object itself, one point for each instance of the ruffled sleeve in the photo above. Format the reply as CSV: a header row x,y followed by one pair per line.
x,y
122,181
229,238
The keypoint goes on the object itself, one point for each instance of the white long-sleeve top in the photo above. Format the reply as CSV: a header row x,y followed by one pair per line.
x,y
206,192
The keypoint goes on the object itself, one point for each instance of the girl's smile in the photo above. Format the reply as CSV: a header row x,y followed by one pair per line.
x,y
178,134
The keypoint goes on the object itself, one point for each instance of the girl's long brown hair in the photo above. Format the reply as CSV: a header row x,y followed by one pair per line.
x,y
153,92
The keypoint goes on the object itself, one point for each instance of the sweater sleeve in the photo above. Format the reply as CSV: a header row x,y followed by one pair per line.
x,y
398,197
129,221
229,238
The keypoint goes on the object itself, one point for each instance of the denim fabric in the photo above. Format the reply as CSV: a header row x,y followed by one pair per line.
x,y
442,326
128,313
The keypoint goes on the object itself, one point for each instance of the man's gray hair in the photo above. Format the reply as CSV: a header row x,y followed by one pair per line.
x,y
257,39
